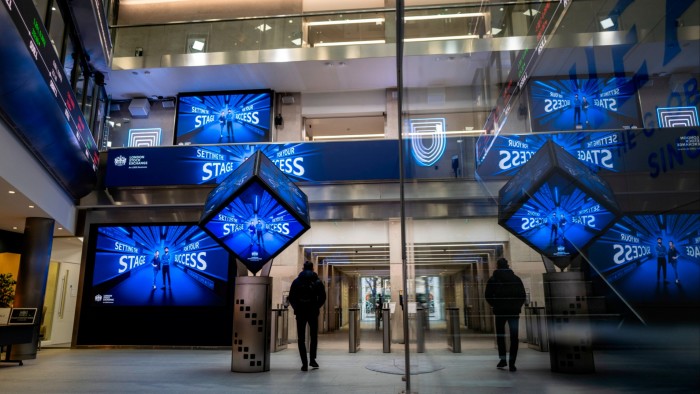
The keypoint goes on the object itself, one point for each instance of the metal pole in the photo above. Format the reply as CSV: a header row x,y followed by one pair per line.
x,y
404,264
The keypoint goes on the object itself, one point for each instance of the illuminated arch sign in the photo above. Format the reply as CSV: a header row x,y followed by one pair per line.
x,y
427,140
256,212
556,204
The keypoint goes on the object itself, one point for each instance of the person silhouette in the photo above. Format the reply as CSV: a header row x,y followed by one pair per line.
x,y
307,295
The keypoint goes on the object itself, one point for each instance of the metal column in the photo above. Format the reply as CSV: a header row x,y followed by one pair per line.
x,y
420,330
454,341
250,351
387,330
354,331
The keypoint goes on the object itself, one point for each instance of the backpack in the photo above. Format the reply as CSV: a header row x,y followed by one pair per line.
x,y
307,293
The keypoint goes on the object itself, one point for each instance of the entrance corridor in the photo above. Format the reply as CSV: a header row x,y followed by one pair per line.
x,y
671,366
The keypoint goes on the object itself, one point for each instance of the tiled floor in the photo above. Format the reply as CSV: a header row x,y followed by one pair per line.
x,y
672,364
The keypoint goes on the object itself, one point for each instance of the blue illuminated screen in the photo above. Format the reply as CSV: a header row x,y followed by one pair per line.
x,y
255,226
559,218
627,256
583,103
124,273
284,188
223,117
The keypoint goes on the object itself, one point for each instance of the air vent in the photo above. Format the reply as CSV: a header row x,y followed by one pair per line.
x,y
287,100
168,104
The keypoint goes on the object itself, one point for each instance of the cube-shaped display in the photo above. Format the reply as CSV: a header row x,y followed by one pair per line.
x,y
556,204
256,212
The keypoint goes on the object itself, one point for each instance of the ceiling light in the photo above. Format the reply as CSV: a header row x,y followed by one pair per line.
x,y
446,16
53,8
11,191
531,12
14,227
31,206
198,45
264,27
607,23
330,44
60,228
441,38
347,22
347,136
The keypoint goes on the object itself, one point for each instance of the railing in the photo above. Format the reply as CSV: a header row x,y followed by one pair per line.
x,y
327,29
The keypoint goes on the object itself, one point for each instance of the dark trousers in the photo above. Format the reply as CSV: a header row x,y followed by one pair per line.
x,y
660,265
312,321
501,336
166,274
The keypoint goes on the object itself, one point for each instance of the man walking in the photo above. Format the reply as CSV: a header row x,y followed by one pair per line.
x,y
307,295
506,295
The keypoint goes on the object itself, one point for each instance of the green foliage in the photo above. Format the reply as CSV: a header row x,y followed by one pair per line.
x,y
7,290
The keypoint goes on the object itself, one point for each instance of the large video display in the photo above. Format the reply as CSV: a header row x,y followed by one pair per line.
x,y
255,226
224,117
652,263
571,103
559,217
157,265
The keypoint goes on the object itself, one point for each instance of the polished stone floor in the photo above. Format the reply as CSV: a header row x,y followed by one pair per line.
x,y
669,363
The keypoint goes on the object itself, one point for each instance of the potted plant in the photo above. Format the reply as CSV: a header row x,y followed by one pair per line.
x,y
7,295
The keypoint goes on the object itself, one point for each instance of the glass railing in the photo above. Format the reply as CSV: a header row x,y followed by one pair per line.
x,y
329,29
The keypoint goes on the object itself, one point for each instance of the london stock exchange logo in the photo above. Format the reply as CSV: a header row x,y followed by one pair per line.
x,y
119,161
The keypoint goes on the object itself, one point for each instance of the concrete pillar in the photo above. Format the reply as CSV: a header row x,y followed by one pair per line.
x,y
391,121
396,274
32,276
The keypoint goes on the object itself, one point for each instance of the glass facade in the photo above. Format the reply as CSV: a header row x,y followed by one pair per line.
x,y
464,95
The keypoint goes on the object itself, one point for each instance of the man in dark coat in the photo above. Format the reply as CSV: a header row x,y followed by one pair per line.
x,y
307,295
506,295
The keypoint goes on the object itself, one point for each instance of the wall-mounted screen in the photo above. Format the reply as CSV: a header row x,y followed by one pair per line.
x,y
224,117
157,265
652,263
582,103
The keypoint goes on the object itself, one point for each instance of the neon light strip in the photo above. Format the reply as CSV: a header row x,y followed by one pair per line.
x,y
346,22
331,44
445,16
441,38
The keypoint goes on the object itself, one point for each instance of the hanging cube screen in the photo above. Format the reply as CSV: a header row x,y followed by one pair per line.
x,y
559,217
256,212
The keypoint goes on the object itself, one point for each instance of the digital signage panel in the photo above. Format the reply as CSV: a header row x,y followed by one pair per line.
x,y
256,212
559,218
224,117
191,269
572,103
556,204
626,264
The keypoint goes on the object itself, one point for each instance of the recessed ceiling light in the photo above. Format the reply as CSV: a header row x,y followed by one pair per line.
x,y
198,45
60,228
31,206
607,23
11,191
14,227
